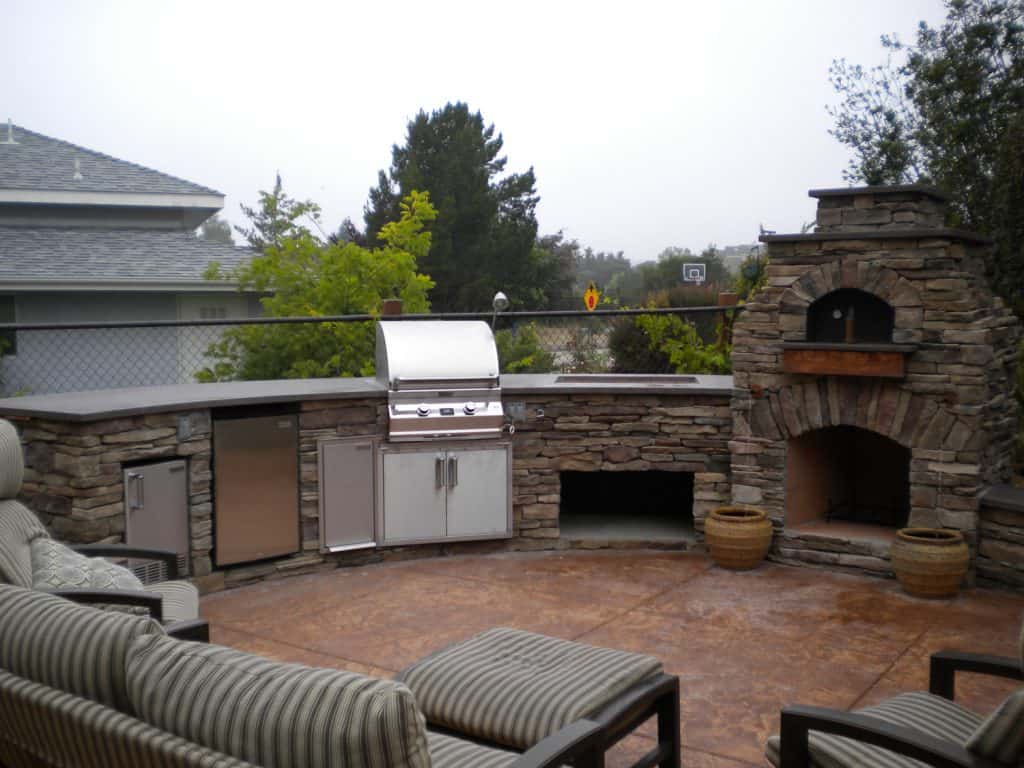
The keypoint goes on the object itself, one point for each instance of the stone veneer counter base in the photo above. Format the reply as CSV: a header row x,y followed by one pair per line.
x,y
78,444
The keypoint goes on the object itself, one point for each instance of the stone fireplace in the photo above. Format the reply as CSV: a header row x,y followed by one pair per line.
x,y
873,379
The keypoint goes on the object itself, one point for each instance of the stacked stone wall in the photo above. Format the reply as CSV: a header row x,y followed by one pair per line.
x,y
1000,559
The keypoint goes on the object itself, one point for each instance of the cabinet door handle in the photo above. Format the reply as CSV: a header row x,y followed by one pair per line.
x,y
439,473
453,471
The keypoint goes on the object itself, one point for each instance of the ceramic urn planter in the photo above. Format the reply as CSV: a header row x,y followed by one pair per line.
x,y
738,537
930,562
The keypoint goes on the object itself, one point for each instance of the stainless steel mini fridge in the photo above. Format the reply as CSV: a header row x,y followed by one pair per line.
x,y
256,487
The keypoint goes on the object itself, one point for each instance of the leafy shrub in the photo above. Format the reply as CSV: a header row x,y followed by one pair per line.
x,y
686,352
585,352
520,351
632,351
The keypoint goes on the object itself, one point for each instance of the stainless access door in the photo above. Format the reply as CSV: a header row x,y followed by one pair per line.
x,y
347,493
478,493
156,508
256,487
414,495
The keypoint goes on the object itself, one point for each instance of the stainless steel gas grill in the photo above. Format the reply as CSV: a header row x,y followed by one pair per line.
x,y
442,379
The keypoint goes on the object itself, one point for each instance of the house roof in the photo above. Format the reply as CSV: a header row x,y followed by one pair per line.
x,y
48,258
40,163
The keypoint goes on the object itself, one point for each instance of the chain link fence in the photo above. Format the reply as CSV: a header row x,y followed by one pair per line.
x,y
68,357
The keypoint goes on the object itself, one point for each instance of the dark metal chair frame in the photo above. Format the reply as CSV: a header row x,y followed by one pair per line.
x,y
587,740
193,629
798,720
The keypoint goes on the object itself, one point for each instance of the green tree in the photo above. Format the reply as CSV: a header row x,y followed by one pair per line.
x,y
599,268
216,229
484,236
304,277
278,217
943,113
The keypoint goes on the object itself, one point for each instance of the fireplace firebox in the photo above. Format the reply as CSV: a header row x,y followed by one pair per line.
x,y
847,474
627,505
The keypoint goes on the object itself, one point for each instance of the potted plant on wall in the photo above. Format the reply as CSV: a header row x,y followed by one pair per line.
x,y
930,562
738,537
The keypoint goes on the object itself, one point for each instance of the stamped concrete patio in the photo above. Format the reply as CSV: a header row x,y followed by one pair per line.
x,y
743,644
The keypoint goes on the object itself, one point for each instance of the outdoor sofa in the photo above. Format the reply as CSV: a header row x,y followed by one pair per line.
x,y
85,687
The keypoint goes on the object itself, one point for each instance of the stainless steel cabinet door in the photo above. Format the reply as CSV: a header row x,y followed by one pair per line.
x,y
156,507
413,503
478,494
346,494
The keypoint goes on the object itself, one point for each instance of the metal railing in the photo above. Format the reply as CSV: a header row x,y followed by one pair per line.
x,y
61,357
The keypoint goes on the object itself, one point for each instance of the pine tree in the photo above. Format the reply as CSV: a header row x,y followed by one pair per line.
x,y
483,239
278,217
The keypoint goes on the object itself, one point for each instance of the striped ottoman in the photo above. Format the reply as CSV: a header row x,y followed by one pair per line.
x,y
515,688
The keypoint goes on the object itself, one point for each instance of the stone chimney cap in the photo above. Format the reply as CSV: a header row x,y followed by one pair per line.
x,y
880,190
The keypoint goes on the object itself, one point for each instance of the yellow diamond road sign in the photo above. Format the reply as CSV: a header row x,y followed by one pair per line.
x,y
591,297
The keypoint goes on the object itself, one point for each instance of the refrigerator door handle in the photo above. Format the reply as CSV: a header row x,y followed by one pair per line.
x,y
453,471
140,490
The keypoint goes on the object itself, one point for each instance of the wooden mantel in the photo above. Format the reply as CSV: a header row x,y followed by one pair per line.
x,y
886,361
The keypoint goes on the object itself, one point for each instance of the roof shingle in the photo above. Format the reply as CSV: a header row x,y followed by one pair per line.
x,y
38,162
94,254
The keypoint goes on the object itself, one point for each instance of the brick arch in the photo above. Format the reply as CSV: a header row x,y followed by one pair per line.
x,y
913,420
868,276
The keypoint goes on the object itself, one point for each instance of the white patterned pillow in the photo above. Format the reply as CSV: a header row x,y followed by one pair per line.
x,y
55,566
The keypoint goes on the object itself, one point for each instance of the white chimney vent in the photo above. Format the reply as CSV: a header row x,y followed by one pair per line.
x,y
10,133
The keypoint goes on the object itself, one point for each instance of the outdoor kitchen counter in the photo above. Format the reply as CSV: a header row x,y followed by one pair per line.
x,y
114,403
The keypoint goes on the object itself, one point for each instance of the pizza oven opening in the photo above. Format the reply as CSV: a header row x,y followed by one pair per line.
x,y
850,316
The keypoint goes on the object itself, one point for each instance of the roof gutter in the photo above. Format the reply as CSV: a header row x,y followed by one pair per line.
x,y
117,199
121,286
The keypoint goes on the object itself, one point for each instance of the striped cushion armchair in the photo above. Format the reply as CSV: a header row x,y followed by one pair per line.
x,y
911,729
30,558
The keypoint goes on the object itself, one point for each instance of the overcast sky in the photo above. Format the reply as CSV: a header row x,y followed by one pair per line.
x,y
648,124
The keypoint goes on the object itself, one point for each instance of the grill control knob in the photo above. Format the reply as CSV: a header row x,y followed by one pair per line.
x,y
423,410
469,409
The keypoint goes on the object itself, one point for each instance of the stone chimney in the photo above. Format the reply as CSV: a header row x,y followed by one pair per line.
x,y
863,209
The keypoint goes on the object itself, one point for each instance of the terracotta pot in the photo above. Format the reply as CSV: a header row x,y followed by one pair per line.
x,y
738,537
930,562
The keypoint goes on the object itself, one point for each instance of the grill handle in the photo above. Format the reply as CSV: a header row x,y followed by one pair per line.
x,y
453,471
440,479
400,383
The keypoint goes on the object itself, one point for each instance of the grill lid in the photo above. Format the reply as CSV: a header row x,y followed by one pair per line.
x,y
434,351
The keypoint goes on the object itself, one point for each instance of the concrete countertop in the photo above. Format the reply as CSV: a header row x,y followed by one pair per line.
x,y
113,403
129,401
